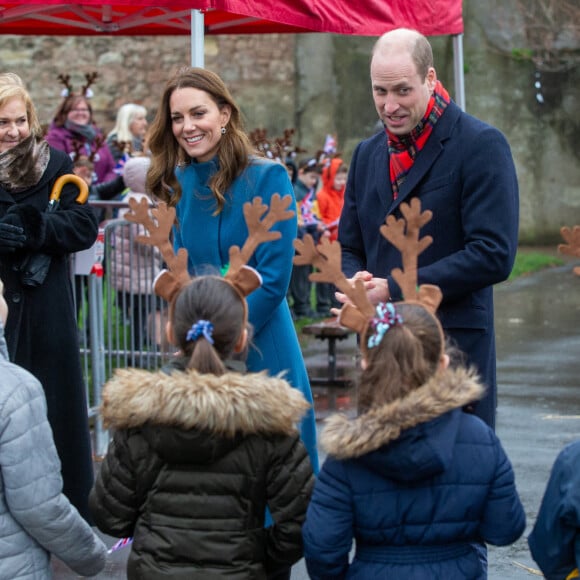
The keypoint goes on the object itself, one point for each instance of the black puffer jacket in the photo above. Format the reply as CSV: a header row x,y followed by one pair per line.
x,y
194,462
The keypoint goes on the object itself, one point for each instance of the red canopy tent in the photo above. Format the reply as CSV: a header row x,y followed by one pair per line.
x,y
197,18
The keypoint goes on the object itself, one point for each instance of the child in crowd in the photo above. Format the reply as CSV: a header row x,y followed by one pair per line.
x,y
200,450
132,268
416,481
84,167
36,518
555,539
330,198
309,222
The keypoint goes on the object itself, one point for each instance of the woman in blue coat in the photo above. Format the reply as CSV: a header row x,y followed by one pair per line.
x,y
417,482
203,164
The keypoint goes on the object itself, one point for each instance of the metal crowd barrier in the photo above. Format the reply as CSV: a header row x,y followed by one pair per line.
x,y
121,323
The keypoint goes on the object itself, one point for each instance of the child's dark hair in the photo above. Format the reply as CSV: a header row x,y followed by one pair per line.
x,y
212,299
407,356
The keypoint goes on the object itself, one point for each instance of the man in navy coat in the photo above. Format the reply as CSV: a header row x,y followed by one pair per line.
x,y
461,169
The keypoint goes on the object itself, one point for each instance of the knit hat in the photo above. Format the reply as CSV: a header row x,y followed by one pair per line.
x,y
135,173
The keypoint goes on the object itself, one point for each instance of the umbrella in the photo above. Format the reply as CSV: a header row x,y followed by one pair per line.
x,y
35,267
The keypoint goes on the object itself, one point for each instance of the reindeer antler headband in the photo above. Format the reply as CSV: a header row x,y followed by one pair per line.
x,y
259,218
403,233
85,91
572,245
279,148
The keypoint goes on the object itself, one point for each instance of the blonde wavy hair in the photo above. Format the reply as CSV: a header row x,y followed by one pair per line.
x,y
11,86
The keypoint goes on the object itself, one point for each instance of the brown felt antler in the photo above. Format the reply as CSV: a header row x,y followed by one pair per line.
x,y
160,220
572,245
244,278
90,78
65,80
159,223
327,259
403,233
279,148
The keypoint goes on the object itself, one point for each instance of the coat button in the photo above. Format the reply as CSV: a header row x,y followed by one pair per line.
x,y
16,298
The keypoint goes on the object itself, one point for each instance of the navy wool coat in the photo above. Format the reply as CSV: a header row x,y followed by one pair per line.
x,y
465,175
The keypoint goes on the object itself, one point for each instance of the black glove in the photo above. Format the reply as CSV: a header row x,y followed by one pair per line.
x,y
29,219
11,238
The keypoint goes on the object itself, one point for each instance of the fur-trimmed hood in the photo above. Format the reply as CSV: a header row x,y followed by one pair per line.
x,y
232,404
345,438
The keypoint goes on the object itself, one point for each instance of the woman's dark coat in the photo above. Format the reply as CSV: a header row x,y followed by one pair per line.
x,y
41,329
416,483
194,461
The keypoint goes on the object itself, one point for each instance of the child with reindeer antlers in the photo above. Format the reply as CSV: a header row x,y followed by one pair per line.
x,y
200,451
203,164
555,538
414,479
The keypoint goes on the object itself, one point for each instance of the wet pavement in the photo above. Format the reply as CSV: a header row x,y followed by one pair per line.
x,y
538,353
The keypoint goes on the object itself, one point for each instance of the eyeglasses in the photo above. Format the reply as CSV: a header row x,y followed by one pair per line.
x,y
79,110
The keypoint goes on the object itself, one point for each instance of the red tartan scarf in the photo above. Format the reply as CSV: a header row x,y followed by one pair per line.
x,y
403,149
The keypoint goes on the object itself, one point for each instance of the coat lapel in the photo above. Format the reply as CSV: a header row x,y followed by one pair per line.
x,y
380,169
428,155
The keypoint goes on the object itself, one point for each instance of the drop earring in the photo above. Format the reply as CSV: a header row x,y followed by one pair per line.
x,y
223,130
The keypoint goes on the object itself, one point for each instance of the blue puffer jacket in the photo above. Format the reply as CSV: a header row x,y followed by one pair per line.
x,y
415,483
555,539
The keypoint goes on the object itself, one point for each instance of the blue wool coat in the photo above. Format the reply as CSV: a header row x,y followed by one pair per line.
x,y
555,539
208,238
465,175
415,482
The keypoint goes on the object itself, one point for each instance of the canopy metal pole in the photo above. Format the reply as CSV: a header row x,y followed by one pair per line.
x,y
458,73
197,40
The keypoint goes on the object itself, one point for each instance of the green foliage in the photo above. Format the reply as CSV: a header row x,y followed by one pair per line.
x,y
522,54
530,262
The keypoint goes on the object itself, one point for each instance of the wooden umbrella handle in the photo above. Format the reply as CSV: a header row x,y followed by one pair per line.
x,y
70,178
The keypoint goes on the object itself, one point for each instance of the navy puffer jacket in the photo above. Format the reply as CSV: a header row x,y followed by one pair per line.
x,y
415,483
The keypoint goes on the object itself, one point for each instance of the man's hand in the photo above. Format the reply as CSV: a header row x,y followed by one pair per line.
x,y
377,288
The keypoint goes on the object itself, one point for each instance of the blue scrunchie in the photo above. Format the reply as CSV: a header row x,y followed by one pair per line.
x,y
200,328
386,317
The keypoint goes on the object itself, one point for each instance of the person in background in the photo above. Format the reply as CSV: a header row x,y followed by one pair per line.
x,y
109,190
330,198
41,329
133,267
73,130
292,169
308,223
401,479
190,481
128,135
37,519
462,170
555,538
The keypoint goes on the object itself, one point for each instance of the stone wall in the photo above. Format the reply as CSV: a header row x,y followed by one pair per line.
x,y
259,71
319,84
